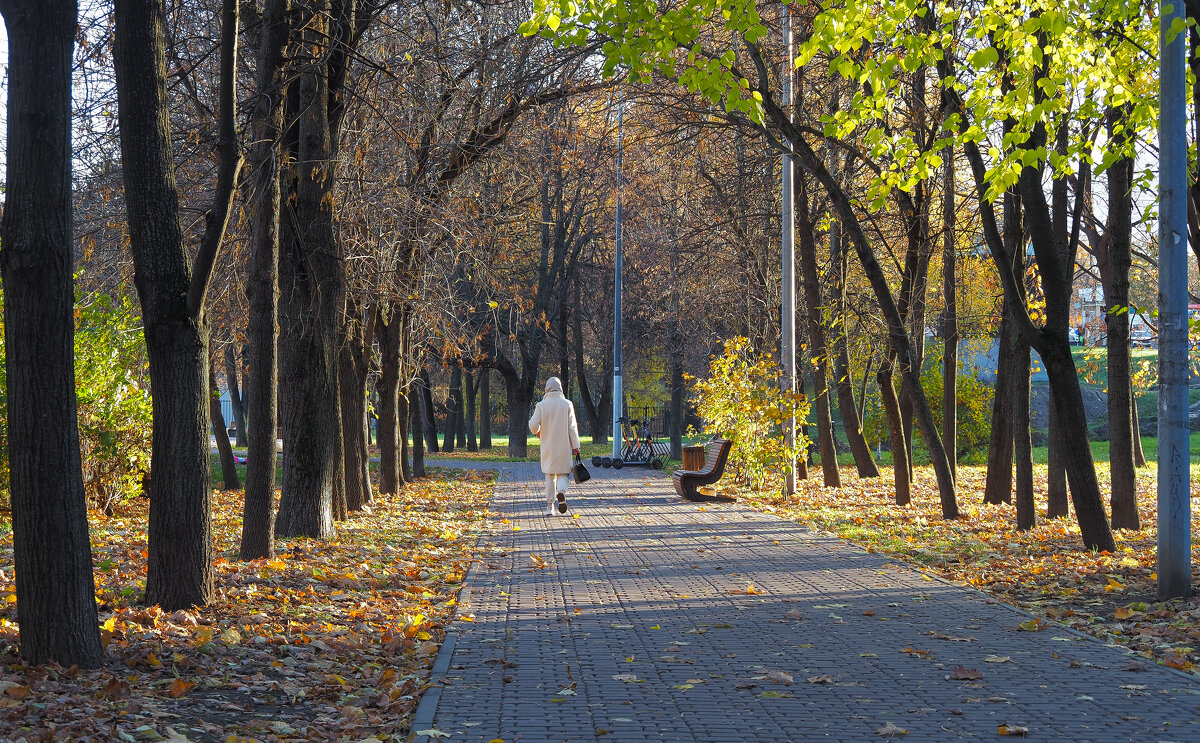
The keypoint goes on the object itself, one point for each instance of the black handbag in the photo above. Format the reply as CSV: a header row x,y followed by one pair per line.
x,y
581,472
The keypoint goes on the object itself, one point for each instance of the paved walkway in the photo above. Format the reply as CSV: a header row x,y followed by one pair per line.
x,y
648,618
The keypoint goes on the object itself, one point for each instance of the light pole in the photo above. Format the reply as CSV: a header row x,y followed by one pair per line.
x,y
787,316
618,392
1174,517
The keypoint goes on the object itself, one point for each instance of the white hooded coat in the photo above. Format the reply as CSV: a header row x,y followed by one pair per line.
x,y
553,422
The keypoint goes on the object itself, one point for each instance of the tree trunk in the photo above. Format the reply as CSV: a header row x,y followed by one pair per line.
x,y
891,408
388,325
950,318
352,378
485,407
1123,495
404,424
677,393
597,422
235,395
453,410
470,387
1139,457
180,538
520,399
864,462
312,291
805,457
416,418
460,410
229,475
1057,498
52,557
430,420
262,286
1022,443
998,484
818,350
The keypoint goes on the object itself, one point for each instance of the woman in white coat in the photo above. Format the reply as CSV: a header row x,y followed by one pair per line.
x,y
553,422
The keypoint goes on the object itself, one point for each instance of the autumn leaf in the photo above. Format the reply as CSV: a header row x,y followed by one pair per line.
x,y
962,673
824,678
179,687
778,677
891,729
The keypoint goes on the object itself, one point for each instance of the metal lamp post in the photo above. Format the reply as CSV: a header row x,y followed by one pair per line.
x,y
1174,507
618,392
787,317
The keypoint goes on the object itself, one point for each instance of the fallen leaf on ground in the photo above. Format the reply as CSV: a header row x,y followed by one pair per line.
x,y
962,673
778,677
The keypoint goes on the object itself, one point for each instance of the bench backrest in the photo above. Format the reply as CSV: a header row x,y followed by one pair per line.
x,y
715,453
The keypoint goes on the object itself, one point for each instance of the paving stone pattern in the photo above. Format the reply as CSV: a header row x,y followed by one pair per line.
x,y
640,607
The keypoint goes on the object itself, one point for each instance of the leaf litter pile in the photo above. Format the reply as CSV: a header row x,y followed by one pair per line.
x,y
1045,570
327,641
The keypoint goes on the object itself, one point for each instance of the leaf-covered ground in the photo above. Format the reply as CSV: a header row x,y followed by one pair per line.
x,y
328,641
1045,570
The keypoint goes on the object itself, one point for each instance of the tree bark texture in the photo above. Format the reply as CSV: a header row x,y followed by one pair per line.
x,y
1123,495
678,390
355,364
262,287
387,334
950,317
180,537
998,485
485,408
998,482
312,291
429,420
818,348
52,557
470,388
520,401
229,475
864,462
1057,498
404,423
453,411
416,418
1022,443
891,409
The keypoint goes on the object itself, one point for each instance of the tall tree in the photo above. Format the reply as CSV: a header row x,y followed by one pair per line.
x,y
229,475
1121,431
949,317
388,324
258,515
172,294
56,604
806,252
852,423
312,287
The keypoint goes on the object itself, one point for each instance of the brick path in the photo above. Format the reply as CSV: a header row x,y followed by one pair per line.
x,y
633,623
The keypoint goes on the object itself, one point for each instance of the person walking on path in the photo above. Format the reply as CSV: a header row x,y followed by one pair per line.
x,y
553,422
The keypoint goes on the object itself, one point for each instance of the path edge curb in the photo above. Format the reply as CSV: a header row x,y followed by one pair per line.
x,y
427,707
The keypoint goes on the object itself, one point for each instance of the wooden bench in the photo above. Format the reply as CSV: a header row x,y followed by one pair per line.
x,y
687,482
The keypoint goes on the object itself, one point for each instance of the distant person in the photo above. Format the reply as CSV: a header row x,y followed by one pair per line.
x,y
553,422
